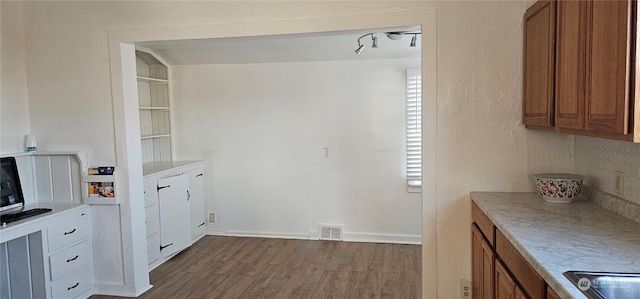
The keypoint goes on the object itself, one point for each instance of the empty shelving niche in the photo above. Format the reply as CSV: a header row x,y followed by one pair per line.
x,y
153,100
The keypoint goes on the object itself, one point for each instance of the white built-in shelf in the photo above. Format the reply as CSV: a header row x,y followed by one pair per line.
x,y
109,180
154,108
155,136
152,80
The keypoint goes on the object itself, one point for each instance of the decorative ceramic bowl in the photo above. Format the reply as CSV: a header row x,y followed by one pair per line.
x,y
558,187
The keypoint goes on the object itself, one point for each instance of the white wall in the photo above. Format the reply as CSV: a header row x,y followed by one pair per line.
x,y
14,104
261,130
481,144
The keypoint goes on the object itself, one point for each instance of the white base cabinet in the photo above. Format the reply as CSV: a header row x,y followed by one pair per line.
x,y
175,214
175,207
48,256
71,256
198,210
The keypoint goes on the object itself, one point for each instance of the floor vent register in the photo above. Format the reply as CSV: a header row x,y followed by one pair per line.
x,y
330,232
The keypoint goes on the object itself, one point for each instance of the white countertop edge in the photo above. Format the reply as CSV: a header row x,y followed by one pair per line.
x,y
153,168
33,224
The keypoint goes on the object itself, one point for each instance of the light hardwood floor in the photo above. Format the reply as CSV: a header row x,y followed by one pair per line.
x,y
231,267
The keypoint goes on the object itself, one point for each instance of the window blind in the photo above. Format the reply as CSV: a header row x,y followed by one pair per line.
x,y
414,127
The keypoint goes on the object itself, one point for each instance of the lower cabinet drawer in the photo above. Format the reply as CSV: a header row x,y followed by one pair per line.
x,y
70,260
152,219
153,248
73,286
68,231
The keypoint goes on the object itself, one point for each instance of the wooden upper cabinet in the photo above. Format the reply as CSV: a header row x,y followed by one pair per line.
x,y
595,68
539,64
570,64
609,63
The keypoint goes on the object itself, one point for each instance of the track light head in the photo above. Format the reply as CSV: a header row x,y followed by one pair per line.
x,y
359,49
395,35
374,43
413,41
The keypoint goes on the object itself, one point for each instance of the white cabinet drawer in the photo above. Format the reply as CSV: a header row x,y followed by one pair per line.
x,y
68,232
73,286
150,191
70,260
152,219
153,248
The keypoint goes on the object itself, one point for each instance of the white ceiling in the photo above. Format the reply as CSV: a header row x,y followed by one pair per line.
x,y
325,46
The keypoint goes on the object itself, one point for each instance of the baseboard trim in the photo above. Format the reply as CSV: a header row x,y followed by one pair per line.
x,y
267,235
216,232
381,238
109,289
347,237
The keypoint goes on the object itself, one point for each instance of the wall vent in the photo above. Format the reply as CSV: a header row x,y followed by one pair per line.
x,y
330,232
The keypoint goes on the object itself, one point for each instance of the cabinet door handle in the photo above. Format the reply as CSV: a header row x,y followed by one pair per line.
x,y
74,286
188,195
201,224
73,259
199,175
165,246
71,232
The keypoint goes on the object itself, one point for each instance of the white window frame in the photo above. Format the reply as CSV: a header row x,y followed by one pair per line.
x,y
413,134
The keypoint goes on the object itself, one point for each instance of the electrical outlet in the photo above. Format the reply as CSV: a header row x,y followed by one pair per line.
x,y
212,217
465,289
619,183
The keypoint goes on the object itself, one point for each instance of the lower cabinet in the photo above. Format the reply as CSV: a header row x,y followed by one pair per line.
x,y
175,208
506,288
483,265
198,211
71,256
551,294
499,270
175,214
48,257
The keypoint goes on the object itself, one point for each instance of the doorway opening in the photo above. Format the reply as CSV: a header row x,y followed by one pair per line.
x,y
122,49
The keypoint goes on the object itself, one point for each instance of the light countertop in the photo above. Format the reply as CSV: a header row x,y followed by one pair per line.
x,y
555,238
35,223
152,168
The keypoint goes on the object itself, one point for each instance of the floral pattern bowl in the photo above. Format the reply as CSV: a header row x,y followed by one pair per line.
x,y
558,187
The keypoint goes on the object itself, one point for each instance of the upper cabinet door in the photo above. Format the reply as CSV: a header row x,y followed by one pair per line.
x,y
607,99
539,61
570,64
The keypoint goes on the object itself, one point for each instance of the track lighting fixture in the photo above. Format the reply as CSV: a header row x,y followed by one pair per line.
x,y
394,35
374,43
413,41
